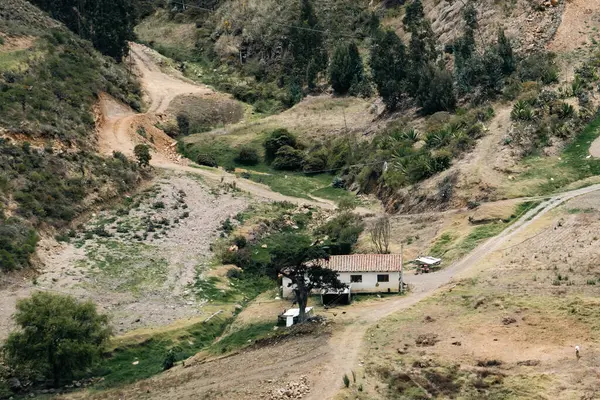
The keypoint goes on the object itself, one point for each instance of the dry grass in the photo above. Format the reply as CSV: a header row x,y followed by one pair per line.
x,y
515,310
166,32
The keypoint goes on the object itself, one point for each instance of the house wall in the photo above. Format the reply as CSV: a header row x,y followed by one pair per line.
x,y
368,284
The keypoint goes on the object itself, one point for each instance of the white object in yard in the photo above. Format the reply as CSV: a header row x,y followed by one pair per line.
x,y
429,260
292,313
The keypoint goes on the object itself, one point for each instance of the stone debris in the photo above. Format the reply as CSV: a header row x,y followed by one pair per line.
x,y
292,390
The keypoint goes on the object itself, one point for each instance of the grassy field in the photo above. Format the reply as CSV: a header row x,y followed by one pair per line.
x,y
130,362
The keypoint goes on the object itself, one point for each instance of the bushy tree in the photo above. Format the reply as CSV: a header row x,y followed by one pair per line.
x,y
346,67
342,232
248,156
142,154
17,243
288,159
422,45
59,338
294,257
388,65
276,140
436,90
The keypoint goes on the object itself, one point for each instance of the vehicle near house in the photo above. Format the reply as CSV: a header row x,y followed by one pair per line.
x,y
362,273
427,264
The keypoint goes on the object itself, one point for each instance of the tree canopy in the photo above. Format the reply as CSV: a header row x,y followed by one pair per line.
x,y
108,24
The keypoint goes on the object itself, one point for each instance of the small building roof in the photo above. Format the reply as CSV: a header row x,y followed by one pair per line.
x,y
365,263
429,260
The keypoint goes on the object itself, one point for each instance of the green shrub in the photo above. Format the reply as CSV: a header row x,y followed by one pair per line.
x,y
346,380
183,124
522,111
207,159
288,159
275,141
17,243
59,338
343,232
247,156
142,154
539,67
436,91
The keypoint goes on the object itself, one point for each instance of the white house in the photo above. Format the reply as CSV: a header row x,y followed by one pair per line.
x,y
363,273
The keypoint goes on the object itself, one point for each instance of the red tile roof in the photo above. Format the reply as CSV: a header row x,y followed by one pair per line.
x,y
365,263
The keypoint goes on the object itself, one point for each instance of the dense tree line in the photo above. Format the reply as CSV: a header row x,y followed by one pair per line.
x,y
108,24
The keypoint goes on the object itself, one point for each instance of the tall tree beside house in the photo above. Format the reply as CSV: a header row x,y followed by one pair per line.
x,y
388,66
294,257
108,24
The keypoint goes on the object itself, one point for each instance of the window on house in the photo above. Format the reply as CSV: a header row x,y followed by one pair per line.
x,y
355,278
383,278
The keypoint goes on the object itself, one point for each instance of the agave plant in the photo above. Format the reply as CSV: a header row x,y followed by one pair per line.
x,y
411,135
440,137
566,111
522,111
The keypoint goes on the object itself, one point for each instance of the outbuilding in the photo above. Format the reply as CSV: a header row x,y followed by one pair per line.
x,y
363,273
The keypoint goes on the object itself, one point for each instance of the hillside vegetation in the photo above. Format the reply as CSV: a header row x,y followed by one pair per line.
x,y
49,82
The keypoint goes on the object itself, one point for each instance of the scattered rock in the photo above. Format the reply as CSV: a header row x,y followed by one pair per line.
x,y
508,320
529,363
479,302
429,319
292,390
427,339
457,343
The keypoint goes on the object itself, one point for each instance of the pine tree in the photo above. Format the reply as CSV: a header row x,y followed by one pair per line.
x,y
422,45
505,51
346,68
388,65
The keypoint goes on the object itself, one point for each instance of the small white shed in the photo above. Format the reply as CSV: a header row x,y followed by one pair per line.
x,y
363,273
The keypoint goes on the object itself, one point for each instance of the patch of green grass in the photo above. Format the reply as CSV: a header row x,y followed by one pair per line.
x,y
580,210
480,234
242,289
297,184
244,337
119,368
13,60
442,245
